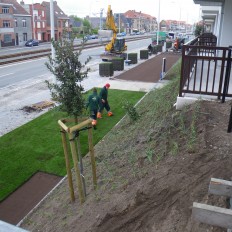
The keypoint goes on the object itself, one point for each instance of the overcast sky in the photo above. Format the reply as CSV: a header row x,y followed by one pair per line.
x,y
185,10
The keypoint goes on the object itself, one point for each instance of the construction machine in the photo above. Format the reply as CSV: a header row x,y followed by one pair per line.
x,y
117,46
179,42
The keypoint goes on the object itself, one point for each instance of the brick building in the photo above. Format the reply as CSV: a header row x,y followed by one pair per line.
x,y
140,21
15,23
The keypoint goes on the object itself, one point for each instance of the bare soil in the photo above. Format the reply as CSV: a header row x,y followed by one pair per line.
x,y
154,196
142,188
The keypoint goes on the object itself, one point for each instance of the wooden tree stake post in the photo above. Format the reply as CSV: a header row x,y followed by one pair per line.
x,y
76,167
67,163
70,131
91,151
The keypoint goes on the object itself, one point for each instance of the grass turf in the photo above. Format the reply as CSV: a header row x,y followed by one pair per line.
x,y
36,146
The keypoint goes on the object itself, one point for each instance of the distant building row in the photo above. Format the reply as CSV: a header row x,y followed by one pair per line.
x,y
137,21
21,22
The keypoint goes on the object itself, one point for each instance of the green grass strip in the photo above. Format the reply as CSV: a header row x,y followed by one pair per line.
x,y
36,146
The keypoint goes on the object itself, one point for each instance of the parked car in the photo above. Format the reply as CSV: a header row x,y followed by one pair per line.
x,y
94,36
121,34
32,42
87,37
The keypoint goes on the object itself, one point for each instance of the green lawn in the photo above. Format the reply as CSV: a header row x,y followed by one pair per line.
x,y
36,146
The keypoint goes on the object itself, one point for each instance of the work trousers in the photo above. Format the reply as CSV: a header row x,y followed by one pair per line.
x,y
105,105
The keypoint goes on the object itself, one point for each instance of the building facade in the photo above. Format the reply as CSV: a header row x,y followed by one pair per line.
x,y
21,22
61,21
140,21
15,23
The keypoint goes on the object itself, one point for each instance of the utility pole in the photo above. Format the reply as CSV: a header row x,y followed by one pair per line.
x,y
157,39
101,14
119,22
52,31
33,20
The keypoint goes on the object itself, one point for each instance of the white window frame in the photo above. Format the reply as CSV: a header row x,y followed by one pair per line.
x,y
5,10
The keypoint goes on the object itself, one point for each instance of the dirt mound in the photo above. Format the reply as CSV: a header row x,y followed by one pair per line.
x,y
148,179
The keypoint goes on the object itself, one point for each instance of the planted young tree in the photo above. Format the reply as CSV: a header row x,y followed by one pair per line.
x,y
69,73
68,92
198,30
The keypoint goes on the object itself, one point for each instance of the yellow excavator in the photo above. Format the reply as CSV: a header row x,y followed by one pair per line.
x,y
117,46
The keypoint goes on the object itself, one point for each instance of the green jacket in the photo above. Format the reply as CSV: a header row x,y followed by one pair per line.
x,y
93,102
103,93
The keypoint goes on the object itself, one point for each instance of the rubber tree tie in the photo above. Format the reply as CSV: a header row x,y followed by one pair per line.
x,y
77,132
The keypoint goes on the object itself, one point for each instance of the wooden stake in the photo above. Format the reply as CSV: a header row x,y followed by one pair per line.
x,y
91,151
80,125
77,170
67,163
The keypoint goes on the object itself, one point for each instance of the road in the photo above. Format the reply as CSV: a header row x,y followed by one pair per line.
x,y
47,45
30,70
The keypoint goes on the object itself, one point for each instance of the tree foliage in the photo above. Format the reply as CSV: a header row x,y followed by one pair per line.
x,y
69,73
198,30
86,23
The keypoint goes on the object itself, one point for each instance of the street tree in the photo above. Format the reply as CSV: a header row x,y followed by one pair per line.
x,y
69,73
198,30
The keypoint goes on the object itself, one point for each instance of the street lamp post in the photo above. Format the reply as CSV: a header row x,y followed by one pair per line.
x,y
33,20
157,39
52,31
119,29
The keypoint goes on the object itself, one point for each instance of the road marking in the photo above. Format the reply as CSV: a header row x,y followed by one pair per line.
x,y
6,75
22,62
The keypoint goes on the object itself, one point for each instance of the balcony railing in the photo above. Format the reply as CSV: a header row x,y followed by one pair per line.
x,y
204,67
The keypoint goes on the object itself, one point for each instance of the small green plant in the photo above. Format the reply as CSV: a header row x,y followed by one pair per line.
x,y
131,110
149,154
174,148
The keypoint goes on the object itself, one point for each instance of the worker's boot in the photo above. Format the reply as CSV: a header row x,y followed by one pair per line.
x,y
110,114
99,115
94,124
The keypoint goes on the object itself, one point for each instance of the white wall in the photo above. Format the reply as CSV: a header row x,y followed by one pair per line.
x,y
226,35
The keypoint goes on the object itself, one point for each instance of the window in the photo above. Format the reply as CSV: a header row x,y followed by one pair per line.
x,y
6,23
24,36
16,23
43,24
5,10
24,23
38,24
7,38
43,13
35,13
59,24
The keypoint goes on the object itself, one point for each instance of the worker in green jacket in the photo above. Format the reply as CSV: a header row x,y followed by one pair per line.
x,y
104,101
93,103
